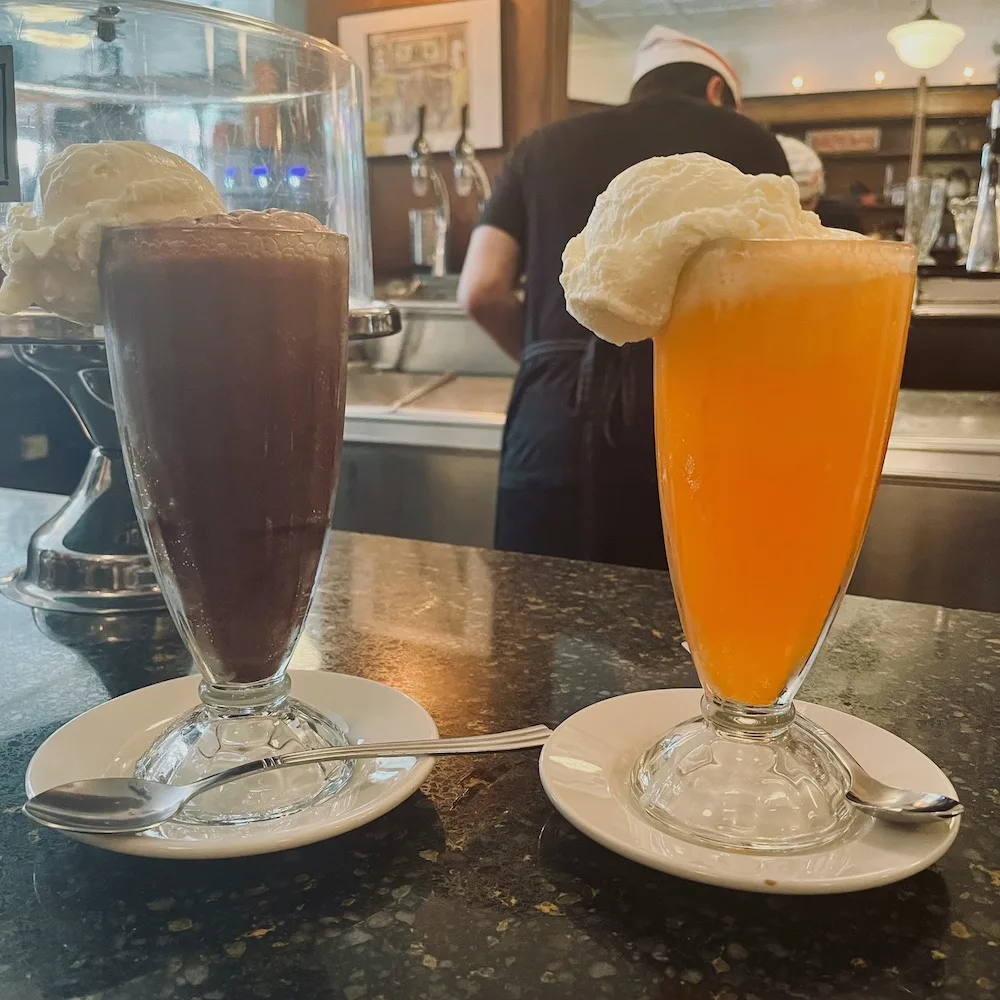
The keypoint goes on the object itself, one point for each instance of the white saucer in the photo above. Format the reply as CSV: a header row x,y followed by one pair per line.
x,y
585,768
107,741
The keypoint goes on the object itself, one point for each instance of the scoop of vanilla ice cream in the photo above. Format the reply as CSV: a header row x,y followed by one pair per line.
x,y
621,272
50,249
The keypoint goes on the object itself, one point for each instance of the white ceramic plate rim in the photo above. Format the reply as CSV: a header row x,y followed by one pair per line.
x,y
154,706
881,855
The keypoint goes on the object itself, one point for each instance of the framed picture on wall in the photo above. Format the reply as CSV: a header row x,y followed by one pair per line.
x,y
442,56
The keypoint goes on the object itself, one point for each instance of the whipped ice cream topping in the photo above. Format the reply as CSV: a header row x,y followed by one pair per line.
x,y
274,233
271,218
621,272
50,249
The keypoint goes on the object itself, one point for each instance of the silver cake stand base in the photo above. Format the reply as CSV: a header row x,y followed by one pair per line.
x,y
90,557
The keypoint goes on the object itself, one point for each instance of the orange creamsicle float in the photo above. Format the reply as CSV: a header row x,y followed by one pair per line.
x,y
778,347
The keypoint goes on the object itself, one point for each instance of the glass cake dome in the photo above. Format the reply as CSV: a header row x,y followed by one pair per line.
x,y
271,116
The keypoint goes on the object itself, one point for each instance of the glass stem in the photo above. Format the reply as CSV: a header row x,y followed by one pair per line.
x,y
751,722
247,699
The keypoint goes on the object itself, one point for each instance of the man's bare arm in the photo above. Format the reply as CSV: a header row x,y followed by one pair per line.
x,y
487,291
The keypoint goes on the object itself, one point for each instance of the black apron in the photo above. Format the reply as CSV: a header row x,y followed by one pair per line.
x,y
577,467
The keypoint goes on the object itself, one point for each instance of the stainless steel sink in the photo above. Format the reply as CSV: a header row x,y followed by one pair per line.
x,y
437,334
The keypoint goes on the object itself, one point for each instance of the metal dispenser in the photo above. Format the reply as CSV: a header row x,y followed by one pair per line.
x,y
470,176
984,247
428,226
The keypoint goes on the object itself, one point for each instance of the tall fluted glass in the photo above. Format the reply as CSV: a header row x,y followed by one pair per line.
x,y
775,383
228,355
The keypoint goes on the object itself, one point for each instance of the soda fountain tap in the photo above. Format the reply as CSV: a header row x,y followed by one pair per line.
x,y
984,246
470,177
425,176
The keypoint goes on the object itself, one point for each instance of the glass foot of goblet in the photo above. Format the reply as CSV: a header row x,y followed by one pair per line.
x,y
745,780
233,725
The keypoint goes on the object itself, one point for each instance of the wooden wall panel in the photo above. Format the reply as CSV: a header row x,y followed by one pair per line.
x,y
535,51
873,105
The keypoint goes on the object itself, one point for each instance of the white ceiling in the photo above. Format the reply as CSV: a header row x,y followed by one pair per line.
x,y
630,19
831,44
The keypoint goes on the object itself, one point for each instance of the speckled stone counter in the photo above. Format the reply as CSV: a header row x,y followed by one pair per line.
x,y
475,887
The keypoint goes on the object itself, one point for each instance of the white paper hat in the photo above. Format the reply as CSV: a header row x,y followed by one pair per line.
x,y
663,46
805,165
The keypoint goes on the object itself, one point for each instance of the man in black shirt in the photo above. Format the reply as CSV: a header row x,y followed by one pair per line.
x,y
577,469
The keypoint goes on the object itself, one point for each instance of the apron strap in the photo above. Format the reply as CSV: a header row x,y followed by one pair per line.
x,y
617,386
599,388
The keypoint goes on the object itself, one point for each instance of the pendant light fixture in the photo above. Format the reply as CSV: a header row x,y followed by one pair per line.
x,y
925,42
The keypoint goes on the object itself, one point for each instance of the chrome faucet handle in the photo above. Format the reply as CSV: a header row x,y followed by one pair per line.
x,y
419,148
470,176
463,148
425,178
461,153
420,156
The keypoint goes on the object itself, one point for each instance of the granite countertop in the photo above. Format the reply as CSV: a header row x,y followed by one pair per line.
x,y
475,887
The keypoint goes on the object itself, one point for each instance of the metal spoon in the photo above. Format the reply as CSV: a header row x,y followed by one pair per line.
x,y
130,805
885,802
